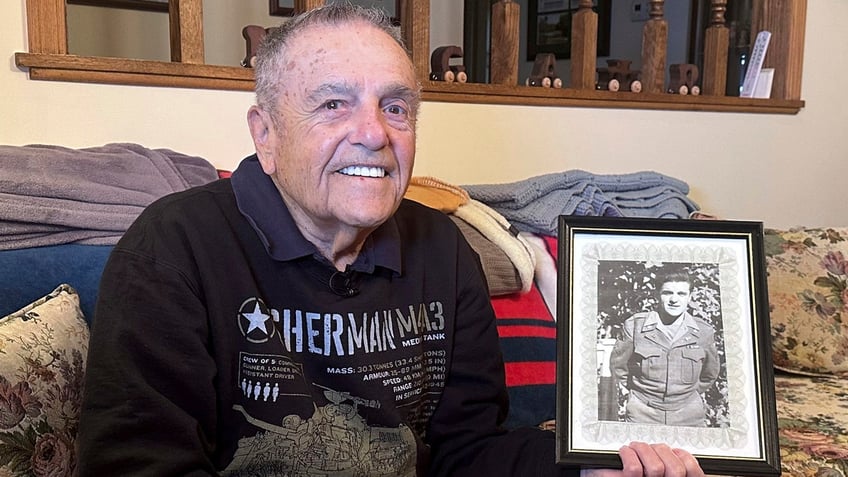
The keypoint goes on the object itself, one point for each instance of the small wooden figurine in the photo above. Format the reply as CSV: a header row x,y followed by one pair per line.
x,y
441,68
253,35
618,76
683,79
544,72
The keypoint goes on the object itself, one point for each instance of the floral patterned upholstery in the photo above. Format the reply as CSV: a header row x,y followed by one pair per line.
x,y
42,360
812,417
808,296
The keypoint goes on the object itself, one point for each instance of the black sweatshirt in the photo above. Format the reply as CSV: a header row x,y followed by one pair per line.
x,y
224,344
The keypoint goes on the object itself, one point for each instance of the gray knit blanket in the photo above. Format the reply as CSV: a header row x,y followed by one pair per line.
x,y
52,195
535,204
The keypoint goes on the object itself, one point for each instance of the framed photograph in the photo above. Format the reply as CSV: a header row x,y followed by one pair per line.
x,y
149,5
286,7
663,336
544,6
549,27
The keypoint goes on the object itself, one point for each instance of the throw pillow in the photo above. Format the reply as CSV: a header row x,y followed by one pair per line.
x,y
43,349
808,299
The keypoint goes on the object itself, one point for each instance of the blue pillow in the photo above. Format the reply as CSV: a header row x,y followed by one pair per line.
x,y
30,273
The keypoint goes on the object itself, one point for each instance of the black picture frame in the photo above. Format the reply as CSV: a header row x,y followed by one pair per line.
x,y
280,8
147,5
549,27
285,8
604,264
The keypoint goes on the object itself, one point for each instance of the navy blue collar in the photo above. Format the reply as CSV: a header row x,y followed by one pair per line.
x,y
261,204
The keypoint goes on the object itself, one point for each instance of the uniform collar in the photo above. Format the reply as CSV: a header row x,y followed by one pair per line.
x,y
260,203
653,320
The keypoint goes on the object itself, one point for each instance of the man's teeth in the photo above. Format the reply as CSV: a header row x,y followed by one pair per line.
x,y
363,171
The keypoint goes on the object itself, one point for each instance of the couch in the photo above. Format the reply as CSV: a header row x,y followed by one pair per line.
x,y
49,291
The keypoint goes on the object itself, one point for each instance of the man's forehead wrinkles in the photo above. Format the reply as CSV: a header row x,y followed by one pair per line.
x,y
348,88
331,88
400,89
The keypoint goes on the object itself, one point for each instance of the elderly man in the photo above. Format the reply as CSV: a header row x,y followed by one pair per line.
x,y
302,318
666,360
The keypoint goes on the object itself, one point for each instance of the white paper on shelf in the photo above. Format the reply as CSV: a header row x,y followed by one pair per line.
x,y
764,81
755,64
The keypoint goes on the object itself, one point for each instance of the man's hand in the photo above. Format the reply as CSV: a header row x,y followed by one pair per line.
x,y
651,460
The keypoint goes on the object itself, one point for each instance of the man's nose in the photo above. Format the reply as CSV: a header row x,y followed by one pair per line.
x,y
369,128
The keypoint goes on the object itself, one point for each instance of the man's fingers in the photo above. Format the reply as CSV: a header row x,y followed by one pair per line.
x,y
631,465
639,459
651,463
672,465
658,460
693,468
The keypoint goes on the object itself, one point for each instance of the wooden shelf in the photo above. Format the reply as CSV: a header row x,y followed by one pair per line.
x,y
48,59
63,67
89,69
535,96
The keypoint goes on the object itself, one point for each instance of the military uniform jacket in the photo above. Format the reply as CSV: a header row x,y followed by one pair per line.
x,y
661,372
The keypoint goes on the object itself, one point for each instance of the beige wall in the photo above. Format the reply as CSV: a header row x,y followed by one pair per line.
x,y
96,31
783,170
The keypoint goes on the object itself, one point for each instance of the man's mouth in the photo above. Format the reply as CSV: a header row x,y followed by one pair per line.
x,y
363,171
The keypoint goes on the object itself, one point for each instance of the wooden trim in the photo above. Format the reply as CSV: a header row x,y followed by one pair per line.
x,y
536,96
415,24
157,73
716,44
584,46
185,18
654,49
786,20
505,27
47,26
140,79
136,72
48,60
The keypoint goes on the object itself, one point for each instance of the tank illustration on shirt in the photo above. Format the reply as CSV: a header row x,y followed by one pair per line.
x,y
334,441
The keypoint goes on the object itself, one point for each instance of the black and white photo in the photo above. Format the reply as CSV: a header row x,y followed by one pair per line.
x,y
663,337
666,354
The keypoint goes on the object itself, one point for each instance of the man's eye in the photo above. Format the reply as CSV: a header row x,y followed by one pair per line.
x,y
333,104
395,109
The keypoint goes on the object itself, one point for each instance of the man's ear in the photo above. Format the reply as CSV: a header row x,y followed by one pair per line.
x,y
264,134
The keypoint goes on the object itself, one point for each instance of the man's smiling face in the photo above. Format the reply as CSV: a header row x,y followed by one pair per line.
x,y
344,146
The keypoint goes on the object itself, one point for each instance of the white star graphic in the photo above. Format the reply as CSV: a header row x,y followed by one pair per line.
x,y
257,319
